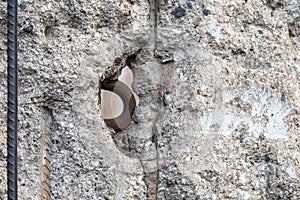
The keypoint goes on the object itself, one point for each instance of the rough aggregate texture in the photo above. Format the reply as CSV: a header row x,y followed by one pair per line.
x,y
218,83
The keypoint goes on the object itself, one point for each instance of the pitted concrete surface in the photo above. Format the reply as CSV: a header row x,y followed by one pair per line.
x,y
218,83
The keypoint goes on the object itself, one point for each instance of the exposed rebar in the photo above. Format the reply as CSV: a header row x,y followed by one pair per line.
x,y
12,99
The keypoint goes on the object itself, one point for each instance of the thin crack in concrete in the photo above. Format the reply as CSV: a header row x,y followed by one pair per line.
x,y
144,176
155,141
154,8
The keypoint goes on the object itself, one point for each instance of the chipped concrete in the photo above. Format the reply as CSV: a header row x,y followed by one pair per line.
x,y
218,83
257,109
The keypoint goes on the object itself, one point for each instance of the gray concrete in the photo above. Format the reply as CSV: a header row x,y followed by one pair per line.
x,y
219,121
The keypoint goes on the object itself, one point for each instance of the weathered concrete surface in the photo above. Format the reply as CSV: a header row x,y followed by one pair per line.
x,y
220,121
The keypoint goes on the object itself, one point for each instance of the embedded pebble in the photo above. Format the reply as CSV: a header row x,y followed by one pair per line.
x,y
178,12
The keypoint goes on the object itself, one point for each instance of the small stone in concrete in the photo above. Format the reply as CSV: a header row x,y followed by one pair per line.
x,y
206,12
28,29
178,12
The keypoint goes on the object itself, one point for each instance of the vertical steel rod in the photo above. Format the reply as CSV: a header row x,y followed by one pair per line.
x,y
12,99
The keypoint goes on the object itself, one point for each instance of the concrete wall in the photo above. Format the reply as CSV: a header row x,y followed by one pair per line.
x,y
219,121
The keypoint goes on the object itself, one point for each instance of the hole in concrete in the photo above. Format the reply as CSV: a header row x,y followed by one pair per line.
x,y
118,100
